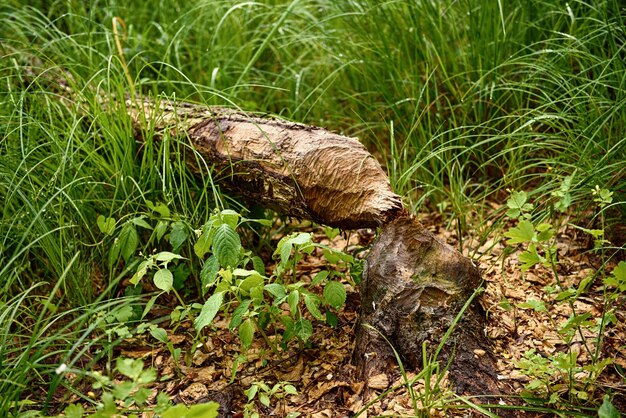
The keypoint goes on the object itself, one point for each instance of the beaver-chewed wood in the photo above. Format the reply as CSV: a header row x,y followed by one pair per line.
x,y
414,286
298,170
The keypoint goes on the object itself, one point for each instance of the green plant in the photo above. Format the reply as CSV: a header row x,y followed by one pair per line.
x,y
558,375
129,396
264,393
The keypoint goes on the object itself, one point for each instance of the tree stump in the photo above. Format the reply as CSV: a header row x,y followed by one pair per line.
x,y
414,284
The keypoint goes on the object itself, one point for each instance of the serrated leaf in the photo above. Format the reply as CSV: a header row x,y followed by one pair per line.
x,y
159,334
237,315
545,232
246,333
334,294
179,234
320,277
160,229
128,241
251,282
523,232
530,258
536,305
208,274
290,390
106,225
312,303
209,310
130,368
619,272
303,329
163,279
74,411
203,244
293,300
166,256
230,217
160,208
517,204
226,246
277,290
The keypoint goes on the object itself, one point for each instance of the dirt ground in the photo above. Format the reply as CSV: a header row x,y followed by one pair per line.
x,y
324,377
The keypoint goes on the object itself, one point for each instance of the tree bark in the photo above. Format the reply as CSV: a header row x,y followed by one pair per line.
x,y
414,284
297,170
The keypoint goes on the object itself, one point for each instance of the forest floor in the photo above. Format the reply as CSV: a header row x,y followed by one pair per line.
x,y
324,377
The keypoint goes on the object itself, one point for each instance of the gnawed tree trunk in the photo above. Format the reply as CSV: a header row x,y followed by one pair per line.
x,y
414,284
297,170
413,288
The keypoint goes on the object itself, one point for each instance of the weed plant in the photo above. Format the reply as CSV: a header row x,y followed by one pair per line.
x,y
460,100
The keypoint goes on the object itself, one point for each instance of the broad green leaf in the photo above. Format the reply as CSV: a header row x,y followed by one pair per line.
x,y
122,390
312,303
536,305
230,217
205,410
237,316
128,241
517,204
226,246
319,277
244,272
251,392
141,396
293,300
160,208
257,265
160,229
619,272
140,221
74,411
301,238
246,333
545,232
129,367
607,410
203,244
179,234
124,313
250,282
530,258
159,334
303,329
106,225
114,253
143,268
166,256
523,232
149,375
277,290
264,399
331,319
290,390
149,306
208,274
163,279
334,294
209,310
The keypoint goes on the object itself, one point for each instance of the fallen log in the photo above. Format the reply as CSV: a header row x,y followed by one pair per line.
x,y
414,284
297,170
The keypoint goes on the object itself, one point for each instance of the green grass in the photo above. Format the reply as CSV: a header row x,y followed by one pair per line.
x,y
461,100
